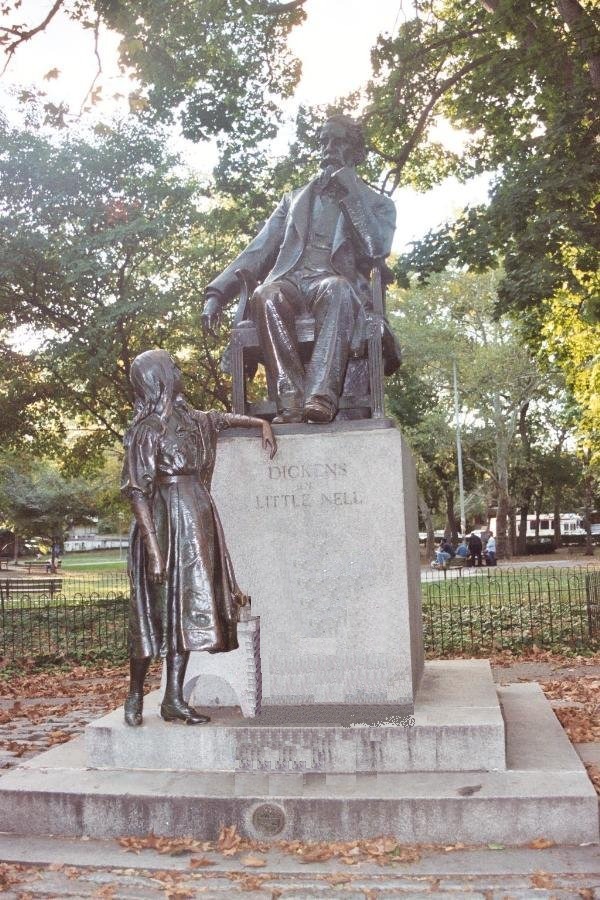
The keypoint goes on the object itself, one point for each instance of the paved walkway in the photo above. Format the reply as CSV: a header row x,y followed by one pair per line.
x,y
77,868
429,574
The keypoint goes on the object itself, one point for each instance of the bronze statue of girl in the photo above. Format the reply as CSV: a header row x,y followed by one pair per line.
x,y
184,595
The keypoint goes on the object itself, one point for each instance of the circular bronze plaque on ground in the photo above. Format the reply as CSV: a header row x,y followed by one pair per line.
x,y
268,819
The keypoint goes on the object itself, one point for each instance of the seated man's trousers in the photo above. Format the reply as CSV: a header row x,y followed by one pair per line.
x,y
333,302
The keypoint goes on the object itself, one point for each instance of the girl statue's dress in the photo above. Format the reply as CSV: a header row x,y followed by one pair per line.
x,y
184,595
195,607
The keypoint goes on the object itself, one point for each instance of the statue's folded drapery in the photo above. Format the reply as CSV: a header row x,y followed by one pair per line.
x,y
195,607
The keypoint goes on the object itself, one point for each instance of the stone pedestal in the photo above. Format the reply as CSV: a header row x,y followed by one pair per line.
x,y
324,538
457,726
476,766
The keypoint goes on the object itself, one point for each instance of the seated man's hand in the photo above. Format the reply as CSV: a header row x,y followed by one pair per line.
x,y
211,315
345,177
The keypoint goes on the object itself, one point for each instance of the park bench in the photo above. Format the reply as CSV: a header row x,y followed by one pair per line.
x,y
10,587
456,562
39,566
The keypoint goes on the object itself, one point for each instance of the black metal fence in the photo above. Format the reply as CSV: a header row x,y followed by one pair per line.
x,y
477,611
88,614
466,612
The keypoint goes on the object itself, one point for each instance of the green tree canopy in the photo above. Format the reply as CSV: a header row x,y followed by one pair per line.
x,y
214,66
506,399
105,248
37,501
522,79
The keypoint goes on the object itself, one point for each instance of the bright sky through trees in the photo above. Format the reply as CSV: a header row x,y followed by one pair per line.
x,y
333,44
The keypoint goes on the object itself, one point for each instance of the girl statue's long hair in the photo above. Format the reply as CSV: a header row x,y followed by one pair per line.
x,y
153,375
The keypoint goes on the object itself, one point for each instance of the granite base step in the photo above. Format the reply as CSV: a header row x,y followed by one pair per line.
x,y
457,726
544,792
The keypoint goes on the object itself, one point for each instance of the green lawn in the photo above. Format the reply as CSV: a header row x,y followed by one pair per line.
x,y
94,561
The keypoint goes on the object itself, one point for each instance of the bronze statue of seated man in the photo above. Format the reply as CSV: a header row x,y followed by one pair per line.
x,y
313,257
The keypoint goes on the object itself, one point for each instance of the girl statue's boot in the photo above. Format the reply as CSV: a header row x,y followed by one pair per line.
x,y
173,706
135,699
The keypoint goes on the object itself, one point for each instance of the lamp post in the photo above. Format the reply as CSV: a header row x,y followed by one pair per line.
x,y
461,488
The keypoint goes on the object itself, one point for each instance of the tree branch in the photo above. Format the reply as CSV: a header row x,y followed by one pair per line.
x,y
23,36
577,18
401,159
451,38
99,65
492,6
485,469
276,9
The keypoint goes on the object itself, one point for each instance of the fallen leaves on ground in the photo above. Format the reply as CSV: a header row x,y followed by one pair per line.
x,y
253,862
542,880
248,882
541,843
17,748
578,725
88,691
107,892
14,873
166,845
104,684
384,851
538,655
58,737
594,774
581,721
338,878
229,841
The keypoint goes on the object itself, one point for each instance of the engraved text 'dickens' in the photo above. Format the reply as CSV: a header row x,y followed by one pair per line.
x,y
306,485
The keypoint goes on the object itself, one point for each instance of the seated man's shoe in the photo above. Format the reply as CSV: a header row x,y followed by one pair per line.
x,y
288,417
133,709
319,409
173,710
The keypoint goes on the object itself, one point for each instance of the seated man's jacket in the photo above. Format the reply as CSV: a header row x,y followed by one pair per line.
x,y
363,237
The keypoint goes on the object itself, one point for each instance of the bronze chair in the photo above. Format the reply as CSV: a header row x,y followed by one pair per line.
x,y
362,395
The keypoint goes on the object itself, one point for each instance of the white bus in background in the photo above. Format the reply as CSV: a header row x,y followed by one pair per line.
x,y
570,524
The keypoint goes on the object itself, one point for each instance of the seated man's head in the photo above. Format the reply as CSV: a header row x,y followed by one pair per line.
x,y
342,143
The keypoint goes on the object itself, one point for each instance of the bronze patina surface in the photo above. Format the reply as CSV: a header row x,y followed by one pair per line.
x,y
313,257
184,595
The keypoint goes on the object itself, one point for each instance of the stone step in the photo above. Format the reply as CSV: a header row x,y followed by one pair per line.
x,y
457,726
544,793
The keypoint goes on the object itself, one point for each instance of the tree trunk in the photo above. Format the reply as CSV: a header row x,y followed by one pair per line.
x,y
583,28
588,498
428,520
503,549
16,549
539,499
512,530
502,542
522,537
451,517
520,545
557,508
